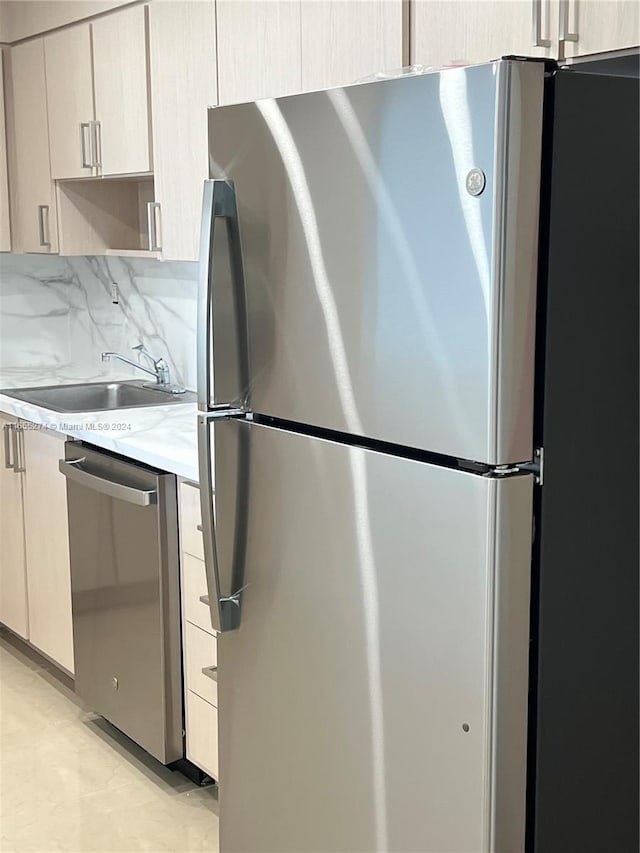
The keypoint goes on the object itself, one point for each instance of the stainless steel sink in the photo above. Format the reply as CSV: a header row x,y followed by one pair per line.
x,y
97,396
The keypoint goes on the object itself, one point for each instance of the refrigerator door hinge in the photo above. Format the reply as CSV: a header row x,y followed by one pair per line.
x,y
536,467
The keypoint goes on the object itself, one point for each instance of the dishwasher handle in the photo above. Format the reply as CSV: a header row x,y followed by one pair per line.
x,y
139,497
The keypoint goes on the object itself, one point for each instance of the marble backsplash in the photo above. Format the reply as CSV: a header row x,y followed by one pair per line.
x,y
58,312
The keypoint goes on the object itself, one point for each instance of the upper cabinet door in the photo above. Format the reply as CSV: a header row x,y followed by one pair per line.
x,y
70,102
33,206
5,231
182,43
122,92
346,40
466,32
258,49
593,26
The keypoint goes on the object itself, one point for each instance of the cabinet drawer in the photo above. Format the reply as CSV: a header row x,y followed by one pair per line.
x,y
200,651
202,734
194,585
190,518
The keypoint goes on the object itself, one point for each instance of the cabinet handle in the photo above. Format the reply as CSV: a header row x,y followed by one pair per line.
x,y
538,41
211,672
18,465
565,35
87,163
7,429
96,144
155,245
42,229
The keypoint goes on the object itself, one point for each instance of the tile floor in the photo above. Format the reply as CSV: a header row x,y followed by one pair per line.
x,y
71,782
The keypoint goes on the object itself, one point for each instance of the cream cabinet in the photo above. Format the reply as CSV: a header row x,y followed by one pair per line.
x,y
13,578
445,33
47,546
21,20
268,48
596,26
470,31
121,92
98,97
33,210
344,41
199,640
5,229
182,44
69,75
259,49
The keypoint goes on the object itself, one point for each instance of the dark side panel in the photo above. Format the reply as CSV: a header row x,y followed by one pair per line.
x,y
586,794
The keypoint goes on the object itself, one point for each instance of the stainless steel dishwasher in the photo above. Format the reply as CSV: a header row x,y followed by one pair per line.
x,y
123,539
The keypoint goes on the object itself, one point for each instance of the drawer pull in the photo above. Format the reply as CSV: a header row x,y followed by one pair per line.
x,y
211,672
204,599
199,528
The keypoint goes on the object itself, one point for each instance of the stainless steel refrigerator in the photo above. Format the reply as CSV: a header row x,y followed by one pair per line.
x,y
366,370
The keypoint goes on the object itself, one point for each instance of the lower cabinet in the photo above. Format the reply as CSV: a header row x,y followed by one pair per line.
x,y
35,578
202,734
13,572
47,546
199,641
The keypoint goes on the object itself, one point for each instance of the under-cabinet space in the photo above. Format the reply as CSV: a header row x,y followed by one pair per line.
x,y
102,217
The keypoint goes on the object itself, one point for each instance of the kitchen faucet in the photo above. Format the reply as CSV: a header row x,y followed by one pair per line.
x,y
160,370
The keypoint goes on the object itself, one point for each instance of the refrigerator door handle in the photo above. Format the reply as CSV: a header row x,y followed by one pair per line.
x,y
219,202
225,610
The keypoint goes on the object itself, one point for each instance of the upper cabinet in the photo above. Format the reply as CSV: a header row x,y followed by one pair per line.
x,y
268,48
182,42
20,20
98,97
70,102
595,26
446,33
121,72
33,210
5,230
259,50
343,42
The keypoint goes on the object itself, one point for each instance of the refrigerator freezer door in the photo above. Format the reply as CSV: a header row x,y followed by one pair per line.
x,y
389,237
374,695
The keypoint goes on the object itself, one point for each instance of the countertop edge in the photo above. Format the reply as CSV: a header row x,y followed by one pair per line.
x,y
102,437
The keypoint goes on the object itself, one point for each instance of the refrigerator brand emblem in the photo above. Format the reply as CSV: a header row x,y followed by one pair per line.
x,y
476,181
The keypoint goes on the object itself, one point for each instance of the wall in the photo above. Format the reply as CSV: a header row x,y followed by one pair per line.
x,y
57,312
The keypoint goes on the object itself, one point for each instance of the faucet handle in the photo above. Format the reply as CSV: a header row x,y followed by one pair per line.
x,y
156,361
159,365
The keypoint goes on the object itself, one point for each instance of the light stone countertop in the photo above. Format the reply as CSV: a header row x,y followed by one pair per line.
x,y
161,436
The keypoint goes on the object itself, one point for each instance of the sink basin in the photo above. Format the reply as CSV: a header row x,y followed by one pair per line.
x,y
97,396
